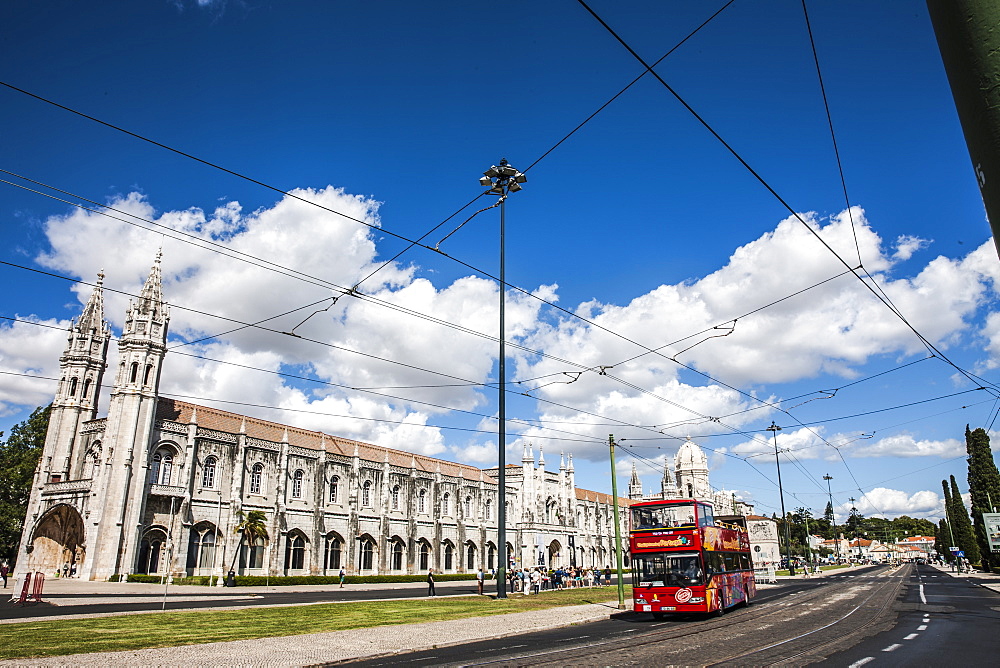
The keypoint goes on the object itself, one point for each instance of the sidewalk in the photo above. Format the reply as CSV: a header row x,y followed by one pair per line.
x,y
986,580
310,649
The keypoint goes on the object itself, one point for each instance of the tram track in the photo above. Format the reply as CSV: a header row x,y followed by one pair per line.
x,y
755,616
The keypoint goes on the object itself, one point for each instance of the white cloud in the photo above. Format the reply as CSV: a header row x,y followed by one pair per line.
x,y
31,349
907,245
905,445
893,503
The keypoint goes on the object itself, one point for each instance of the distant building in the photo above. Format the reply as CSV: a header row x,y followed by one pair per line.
x,y
157,486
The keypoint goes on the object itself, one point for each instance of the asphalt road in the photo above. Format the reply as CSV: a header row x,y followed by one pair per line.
x,y
797,619
942,621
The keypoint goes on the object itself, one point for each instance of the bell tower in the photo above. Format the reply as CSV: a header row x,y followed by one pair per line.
x,y
81,369
130,424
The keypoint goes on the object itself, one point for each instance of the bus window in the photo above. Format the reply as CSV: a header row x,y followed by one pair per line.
x,y
674,569
731,560
705,516
713,563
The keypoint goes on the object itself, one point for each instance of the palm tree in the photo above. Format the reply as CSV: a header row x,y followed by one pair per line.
x,y
252,525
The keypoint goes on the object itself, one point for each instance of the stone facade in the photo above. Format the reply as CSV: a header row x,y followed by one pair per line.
x,y
158,486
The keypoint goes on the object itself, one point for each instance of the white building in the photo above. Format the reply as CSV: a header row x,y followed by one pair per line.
x,y
157,485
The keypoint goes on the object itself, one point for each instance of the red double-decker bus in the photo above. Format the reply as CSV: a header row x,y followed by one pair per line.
x,y
685,560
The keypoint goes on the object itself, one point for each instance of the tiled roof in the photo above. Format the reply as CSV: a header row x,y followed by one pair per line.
x,y
599,497
224,421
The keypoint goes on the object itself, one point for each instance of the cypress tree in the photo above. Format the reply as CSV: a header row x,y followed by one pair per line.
x,y
962,525
984,488
942,540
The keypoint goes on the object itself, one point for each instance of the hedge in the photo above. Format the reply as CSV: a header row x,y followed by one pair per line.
x,y
280,581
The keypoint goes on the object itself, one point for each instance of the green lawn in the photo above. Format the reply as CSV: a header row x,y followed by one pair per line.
x,y
142,631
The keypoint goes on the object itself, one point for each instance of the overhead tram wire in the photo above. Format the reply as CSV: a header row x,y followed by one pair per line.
x,y
175,395
875,292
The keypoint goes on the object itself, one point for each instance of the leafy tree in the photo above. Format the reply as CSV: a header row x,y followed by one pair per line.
x,y
251,526
984,488
855,522
19,457
961,523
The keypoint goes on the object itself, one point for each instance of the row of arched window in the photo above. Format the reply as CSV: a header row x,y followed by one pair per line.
x,y
74,385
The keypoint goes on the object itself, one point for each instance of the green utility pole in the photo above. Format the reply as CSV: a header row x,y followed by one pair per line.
x,y
969,42
618,531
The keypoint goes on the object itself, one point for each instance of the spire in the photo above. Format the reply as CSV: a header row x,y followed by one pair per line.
x,y
541,458
93,313
562,460
635,476
151,295
243,425
524,455
569,468
531,453
635,485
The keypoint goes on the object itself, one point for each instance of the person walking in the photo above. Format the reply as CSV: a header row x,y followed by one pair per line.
x,y
4,571
479,580
430,582
343,576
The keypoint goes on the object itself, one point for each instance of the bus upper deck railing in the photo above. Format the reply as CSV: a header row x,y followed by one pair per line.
x,y
764,574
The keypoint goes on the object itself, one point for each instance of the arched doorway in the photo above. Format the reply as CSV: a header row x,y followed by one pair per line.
x,y
58,541
555,550
152,552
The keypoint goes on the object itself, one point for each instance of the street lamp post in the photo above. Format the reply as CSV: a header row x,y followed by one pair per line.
x,y
836,537
502,180
774,429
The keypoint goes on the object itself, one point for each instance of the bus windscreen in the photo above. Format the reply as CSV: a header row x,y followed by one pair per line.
x,y
663,517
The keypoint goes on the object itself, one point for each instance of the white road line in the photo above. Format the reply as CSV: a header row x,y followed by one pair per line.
x,y
861,662
892,648
923,599
922,627
911,636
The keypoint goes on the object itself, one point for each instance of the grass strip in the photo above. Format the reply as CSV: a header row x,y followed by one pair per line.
x,y
170,629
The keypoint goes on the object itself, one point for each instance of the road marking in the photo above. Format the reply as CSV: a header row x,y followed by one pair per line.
x,y
892,648
923,599
911,636
861,662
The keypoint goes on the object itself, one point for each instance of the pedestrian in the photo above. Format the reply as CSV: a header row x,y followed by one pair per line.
x,y
479,580
343,576
430,582
536,580
4,571
607,575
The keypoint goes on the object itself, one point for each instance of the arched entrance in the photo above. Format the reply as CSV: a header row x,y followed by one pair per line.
x,y
58,541
554,550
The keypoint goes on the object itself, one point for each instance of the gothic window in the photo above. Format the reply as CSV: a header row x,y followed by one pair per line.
x,y
95,465
449,556
86,388
252,556
134,373
468,506
334,488
150,551
395,498
201,548
491,556
147,374
159,472
425,556
489,509
367,554
333,552
690,491
470,556
366,494
72,387
295,552
297,484
422,502
446,504
256,476
208,473
397,555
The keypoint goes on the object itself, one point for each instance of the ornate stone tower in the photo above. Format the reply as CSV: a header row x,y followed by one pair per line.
x,y
635,485
691,467
130,422
81,369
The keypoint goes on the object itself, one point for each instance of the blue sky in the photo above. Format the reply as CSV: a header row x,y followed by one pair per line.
x,y
641,222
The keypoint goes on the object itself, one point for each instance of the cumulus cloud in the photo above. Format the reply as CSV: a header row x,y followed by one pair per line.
x,y
29,348
905,445
907,245
890,503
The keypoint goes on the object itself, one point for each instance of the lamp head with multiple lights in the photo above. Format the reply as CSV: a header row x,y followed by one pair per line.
x,y
502,179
